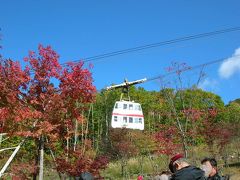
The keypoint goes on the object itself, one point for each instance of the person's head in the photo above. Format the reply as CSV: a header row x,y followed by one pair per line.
x,y
164,177
86,176
167,172
177,162
209,165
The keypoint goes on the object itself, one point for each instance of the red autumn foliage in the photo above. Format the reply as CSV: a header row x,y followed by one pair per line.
x,y
122,145
166,140
22,171
214,131
44,98
29,94
80,163
193,114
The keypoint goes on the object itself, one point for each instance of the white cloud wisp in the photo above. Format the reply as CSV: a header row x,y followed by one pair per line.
x,y
230,66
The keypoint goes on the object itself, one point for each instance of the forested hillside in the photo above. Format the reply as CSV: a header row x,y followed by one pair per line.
x,y
66,127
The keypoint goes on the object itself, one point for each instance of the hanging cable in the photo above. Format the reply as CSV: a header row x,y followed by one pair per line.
x,y
153,45
191,68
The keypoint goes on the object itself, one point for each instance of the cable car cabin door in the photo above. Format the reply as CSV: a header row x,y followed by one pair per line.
x,y
127,114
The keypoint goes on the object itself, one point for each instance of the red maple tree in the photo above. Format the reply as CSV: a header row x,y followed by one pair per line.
x,y
45,100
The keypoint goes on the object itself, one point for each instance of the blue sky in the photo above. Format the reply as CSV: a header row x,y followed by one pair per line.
x,y
79,29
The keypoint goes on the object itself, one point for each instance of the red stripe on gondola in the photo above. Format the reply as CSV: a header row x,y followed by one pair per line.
x,y
136,115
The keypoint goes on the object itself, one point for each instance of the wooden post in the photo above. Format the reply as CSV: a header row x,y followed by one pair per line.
x,y
10,159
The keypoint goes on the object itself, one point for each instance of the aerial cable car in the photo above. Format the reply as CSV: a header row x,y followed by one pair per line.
x,y
127,113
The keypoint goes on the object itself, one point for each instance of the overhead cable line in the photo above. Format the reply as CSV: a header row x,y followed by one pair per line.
x,y
153,45
191,68
126,83
163,43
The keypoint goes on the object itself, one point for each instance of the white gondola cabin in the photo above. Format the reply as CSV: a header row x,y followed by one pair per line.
x,y
127,114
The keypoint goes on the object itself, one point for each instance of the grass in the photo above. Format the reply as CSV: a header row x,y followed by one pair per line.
x,y
150,166
153,165
156,164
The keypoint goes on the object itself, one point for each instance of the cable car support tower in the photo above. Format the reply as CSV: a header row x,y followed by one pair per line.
x,y
125,87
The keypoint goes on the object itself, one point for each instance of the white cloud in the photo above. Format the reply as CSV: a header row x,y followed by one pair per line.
x,y
230,65
208,84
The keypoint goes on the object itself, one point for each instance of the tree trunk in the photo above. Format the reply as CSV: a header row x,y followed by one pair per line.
x,y
75,135
180,127
183,138
98,134
41,158
106,117
54,160
122,168
67,144
82,134
93,130
86,130
107,125
185,150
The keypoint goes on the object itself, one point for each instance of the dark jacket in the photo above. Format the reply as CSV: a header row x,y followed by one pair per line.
x,y
215,177
189,173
